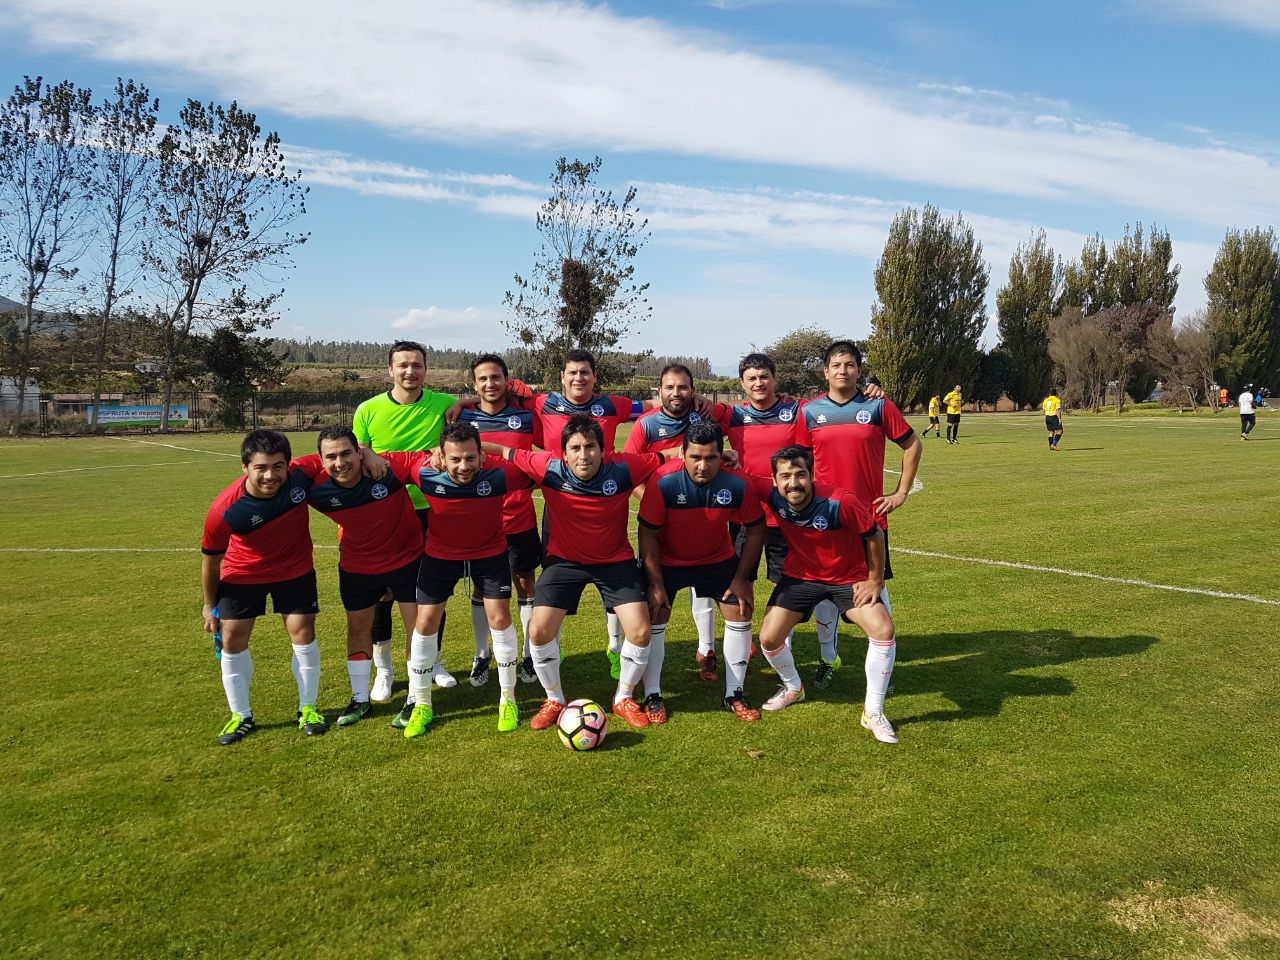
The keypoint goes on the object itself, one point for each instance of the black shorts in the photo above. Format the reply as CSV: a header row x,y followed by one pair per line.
x,y
247,601
562,581
801,596
707,579
524,551
933,421
360,591
1052,424
775,550
1250,418
953,418
490,577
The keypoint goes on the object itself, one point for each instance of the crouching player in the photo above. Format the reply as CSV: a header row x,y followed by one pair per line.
x,y
257,543
684,542
380,548
826,530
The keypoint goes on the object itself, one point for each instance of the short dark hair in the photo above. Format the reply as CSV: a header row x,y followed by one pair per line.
x,y
756,361
839,347
406,346
579,356
704,433
337,432
489,358
461,431
264,441
582,423
790,455
676,368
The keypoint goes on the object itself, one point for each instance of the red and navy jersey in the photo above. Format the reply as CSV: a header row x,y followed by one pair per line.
x,y
521,429
555,409
657,430
379,532
824,541
263,540
693,519
848,442
588,518
466,521
758,434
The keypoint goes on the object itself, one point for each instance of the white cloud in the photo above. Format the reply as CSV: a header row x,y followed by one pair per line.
x,y
1262,16
483,71
469,327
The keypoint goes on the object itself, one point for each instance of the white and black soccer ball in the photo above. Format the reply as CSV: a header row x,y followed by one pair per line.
x,y
583,725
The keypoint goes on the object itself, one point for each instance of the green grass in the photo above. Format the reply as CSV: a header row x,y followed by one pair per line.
x,y
1087,768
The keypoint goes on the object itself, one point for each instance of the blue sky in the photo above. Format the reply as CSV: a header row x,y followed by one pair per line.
x,y
770,142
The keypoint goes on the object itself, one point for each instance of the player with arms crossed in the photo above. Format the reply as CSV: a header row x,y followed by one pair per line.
x,y
1052,407
257,543
684,542
586,494
955,403
827,532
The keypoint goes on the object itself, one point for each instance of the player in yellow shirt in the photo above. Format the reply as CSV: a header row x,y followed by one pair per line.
x,y
954,402
1052,408
935,410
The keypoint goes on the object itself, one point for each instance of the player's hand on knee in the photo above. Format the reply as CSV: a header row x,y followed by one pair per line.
x,y
867,592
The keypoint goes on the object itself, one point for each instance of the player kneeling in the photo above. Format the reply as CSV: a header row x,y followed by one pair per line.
x,y
826,530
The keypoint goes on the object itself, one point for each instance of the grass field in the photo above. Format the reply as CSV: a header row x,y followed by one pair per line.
x,y
1088,767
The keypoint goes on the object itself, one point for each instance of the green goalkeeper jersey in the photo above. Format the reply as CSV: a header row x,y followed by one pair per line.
x,y
381,423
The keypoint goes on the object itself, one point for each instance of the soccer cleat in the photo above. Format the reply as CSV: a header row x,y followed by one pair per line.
x,y
656,708
527,673
708,666
880,727
441,677
825,673
479,671
632,712
741,708
419,720
508,716
381,692
783,699
547,715
401,719
237,729
615,664
310,721
354,712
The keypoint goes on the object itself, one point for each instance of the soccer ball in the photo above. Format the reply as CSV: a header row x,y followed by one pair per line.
x,y
582,725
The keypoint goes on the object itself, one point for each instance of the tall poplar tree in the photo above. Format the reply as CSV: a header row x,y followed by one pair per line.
x,y
1243,287
1025,305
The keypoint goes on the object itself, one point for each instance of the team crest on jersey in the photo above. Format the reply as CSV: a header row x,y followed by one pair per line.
x,y
597,410
255,519
723,497
439,488
513,423
297,494
681,498
822,418
662,431
378,491
786,416
819,523
747,419
863,416
695,418
484,488
562,408
610,487
335,502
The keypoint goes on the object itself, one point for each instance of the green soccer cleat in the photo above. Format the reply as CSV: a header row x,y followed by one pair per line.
x,y
237,729
615,664
419,720
310,721
825,673
354,712
508,716
401,719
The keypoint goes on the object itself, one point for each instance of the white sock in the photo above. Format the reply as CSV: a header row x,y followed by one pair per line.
x,y
504,652
480,628
704,618
546,664
634,660
827,618
782,661
358,671
880,658
382,658
737,644
884,598
237,670
526,614
790,636
657,653
422,660
307,671
615,632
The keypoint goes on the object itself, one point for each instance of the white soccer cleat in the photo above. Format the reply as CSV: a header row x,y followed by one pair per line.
x,y
381,691
783,699
880,727
441,677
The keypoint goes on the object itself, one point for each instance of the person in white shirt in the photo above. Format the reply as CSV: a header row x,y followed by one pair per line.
x,y
1247,417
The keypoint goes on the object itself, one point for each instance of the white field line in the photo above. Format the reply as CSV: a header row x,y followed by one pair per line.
x,y
191,550
174,446
114,466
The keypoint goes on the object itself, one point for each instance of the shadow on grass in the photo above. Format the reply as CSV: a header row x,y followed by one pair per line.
x,y
1078,449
